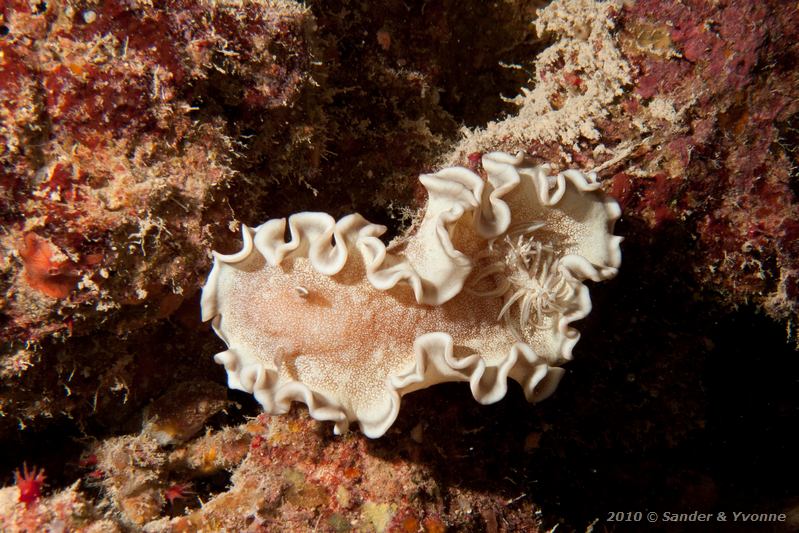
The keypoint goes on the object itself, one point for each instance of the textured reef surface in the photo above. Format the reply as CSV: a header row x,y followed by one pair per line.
x,y
137,136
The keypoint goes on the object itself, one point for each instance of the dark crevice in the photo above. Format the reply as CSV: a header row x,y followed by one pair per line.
x,y
788,143
36,450
484,51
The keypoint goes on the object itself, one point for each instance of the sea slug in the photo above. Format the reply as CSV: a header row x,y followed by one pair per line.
x,y
483,288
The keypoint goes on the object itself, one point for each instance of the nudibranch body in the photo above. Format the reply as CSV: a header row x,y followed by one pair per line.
x,y
483,289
